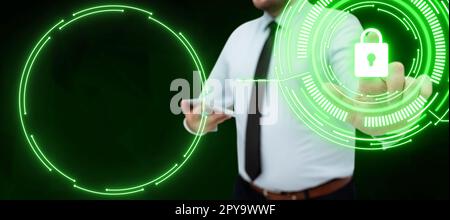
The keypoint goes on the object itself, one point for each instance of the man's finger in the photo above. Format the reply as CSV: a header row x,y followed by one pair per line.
x,y
426,86
185,107
421,86
395,82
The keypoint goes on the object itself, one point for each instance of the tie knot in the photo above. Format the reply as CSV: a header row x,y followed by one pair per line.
x,y
273,25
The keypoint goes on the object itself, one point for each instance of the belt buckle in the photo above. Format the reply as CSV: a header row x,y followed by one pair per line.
x,y
265,193
292,196
297,195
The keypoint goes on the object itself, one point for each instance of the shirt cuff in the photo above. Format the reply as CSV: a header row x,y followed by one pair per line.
x,y
193,132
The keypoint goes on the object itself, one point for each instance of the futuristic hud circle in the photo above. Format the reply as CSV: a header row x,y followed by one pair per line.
x,y
425,21
32,139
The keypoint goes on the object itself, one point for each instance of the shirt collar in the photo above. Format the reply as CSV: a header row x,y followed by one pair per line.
x,y
267,18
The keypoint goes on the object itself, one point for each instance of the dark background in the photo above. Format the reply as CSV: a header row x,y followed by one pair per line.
x,y
100,117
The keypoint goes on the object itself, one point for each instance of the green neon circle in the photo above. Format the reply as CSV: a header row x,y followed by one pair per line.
x,y
319,119
27,70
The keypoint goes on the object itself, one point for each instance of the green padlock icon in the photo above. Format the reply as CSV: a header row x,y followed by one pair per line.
x,y
371,59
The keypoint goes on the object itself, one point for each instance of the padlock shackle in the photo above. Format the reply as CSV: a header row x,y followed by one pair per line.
x,y
376,31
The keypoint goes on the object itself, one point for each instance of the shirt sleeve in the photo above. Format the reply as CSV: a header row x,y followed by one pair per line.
x,y
193,132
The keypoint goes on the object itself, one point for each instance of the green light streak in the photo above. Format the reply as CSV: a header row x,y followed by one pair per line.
x,y
203,120
203,77
361,7
387,99
398,145
48,161
88,14
167,175
195,54
395,16
273,80
440,119
387,143
445,6
28,60
157,180
442,103
40,155
28,74
437,117
321,127
24,78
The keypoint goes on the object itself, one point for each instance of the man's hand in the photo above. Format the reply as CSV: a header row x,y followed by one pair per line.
x,y
194,115
396,82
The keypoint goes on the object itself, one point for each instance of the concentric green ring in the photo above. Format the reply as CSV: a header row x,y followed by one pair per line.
x,y
431,18
28,69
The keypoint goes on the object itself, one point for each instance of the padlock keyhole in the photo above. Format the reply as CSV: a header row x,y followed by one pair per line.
x,y
371,58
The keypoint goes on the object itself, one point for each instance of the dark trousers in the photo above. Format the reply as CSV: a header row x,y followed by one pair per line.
x,y
243,191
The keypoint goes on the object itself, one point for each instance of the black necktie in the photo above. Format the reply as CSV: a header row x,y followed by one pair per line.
x,y
253,132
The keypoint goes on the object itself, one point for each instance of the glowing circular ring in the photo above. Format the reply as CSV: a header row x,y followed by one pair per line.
x,y
386,97
27,70
436,20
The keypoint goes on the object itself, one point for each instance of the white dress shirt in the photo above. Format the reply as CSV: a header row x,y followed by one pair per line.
x,y
293,157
